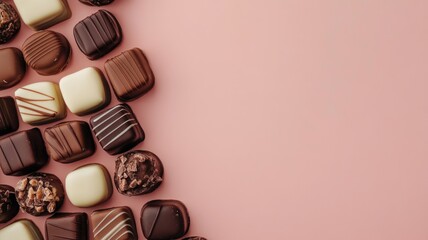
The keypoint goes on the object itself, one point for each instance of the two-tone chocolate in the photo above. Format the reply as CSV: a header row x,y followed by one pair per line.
x,y
12,67
164,219
137,172
130,74
69,141
96,2
9,22
114,223
23,152
8,116
40,193
98,34
72,226
117,129
47,52
8,205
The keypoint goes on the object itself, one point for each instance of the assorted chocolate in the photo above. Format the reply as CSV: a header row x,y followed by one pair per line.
x,y
8,205
114,223
9,22
8,116
96,2
42,14
164,219
40,103
130,74
21,229
98,34
40,194
85,91
12,67
117,129
72,226
137,172
88,185
47,52
22,153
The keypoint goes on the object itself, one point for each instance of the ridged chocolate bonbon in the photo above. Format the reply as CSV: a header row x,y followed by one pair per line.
x,y
137,172
8,205
23,152
12,67
47,52
114,223
69,141
130,74
9,121
72,226
40,194
117,129
164,219
96,2
9,22
98,34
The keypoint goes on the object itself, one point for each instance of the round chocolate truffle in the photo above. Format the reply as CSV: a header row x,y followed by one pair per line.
x,y
47,52
40,194
8,205
96,2
137,172
9,22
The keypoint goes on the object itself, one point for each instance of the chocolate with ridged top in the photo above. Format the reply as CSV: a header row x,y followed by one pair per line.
x,y
164,219
69,141
97,34
47,52
114,223
137,172
8,205
9,22
72,226
130,74
12,67
194,238
96,2
8,116
40,194
23,152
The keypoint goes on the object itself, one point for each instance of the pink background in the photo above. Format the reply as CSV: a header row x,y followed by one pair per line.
x,y
277,119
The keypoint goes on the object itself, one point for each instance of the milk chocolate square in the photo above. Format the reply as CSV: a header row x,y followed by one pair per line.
x,y
9,121
72,226
114,223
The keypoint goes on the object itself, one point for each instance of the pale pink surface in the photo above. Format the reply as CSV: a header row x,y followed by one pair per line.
x,y
277,119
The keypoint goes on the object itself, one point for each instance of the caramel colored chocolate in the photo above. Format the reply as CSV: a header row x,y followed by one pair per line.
x,y
12,67
9,22
40,194
8,116
114,223
96,2
72,226
69,141
47,52
130,74
8,205
164,219
137,172
97,34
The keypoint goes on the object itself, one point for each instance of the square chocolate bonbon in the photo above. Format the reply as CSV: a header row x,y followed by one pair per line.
x,y
20,230
114,223
72,226
12,67
9,121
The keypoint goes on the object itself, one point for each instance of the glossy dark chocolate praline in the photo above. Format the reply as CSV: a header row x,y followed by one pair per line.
x,y
72,226
10,22
96,2
12,67
9,121
8,205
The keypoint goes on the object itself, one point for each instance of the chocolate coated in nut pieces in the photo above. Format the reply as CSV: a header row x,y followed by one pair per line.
x,y
96,2
9,22
137,172
8,205
40,194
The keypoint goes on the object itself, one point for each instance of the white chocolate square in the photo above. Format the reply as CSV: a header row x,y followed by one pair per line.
x,y
88,185
85,91
41,14
40,103
22,229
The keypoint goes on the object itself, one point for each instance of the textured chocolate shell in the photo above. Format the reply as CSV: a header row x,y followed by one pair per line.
x,y
9,22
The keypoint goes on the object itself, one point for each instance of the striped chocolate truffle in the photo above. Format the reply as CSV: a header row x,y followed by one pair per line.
x,y
114,223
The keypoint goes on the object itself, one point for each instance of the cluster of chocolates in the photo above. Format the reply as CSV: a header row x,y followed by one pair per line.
x,y
84,92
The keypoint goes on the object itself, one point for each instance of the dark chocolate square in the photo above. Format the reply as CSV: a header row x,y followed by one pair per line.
x,y
114,223
164,219
117,129
12,67
67,226
130,74
97,34
69,141
22,152
9,121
